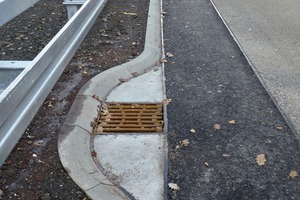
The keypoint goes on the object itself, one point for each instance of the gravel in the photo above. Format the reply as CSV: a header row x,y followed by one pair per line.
x,y
114,39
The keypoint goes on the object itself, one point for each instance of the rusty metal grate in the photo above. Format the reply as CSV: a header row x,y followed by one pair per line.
x,y
129,118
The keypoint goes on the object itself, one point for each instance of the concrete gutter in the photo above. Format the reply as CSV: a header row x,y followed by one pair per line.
x,y
74,144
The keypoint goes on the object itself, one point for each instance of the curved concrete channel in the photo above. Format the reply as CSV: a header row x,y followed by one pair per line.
x,y
119,166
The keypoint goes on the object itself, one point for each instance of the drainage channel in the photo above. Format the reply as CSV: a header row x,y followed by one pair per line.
x,y
129,118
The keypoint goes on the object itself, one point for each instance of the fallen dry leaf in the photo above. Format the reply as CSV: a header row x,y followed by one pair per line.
x,y
173,186
94,154
38,143
49,104
261,159
193,130
80,67
232,122
169,55
167,101
293,174
135,74
186,142
217,126
134,44
225,155
163,60
123,80
163,13
128,13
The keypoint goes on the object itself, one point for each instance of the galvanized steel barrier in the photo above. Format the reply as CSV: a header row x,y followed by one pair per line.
x,y
22,98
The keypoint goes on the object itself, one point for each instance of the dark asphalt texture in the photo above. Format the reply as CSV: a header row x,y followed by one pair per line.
x,y
210,82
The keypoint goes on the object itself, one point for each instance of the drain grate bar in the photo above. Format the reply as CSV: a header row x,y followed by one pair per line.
x,y
122,117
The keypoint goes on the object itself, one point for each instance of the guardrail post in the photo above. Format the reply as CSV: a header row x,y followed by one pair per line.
x,y
73,6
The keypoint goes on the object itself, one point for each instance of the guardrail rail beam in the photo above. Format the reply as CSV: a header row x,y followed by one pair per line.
x,y
21,100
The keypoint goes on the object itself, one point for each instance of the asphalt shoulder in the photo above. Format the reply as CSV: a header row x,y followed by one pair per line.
x,y
241,146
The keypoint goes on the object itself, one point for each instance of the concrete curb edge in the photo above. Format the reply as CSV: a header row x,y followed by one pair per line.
x,y
77,159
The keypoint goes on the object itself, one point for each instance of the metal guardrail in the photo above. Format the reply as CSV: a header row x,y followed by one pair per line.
x,y
20,101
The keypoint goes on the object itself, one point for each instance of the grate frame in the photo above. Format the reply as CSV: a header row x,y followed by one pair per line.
x,y
130,118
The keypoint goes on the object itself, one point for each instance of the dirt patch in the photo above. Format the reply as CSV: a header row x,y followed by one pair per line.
x,y
33,169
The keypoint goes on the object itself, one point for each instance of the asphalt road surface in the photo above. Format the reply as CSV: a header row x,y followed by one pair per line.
x,y
242,147
270,38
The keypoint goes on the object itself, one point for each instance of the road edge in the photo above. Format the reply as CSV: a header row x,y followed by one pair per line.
x,y
285,115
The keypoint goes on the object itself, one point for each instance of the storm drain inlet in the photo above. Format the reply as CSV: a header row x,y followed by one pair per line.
x,y
129,118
